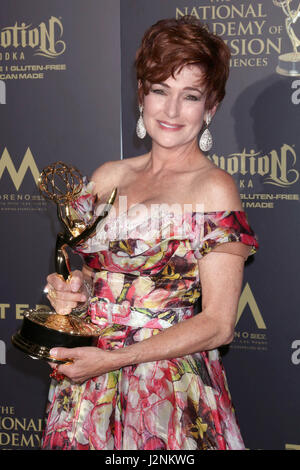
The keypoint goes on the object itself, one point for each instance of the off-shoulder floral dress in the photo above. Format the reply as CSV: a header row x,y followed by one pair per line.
x,y
147,279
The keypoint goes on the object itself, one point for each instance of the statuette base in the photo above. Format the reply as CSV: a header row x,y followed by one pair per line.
x,y
289,64
42,330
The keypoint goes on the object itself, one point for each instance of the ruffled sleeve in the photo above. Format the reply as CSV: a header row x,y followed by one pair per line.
x,y
84,204
87,210
218,231
84,207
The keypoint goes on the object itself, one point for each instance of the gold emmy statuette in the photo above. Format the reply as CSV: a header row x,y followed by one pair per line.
x,y
42,329
289,64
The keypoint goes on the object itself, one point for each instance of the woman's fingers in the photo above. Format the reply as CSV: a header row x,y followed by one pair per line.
x,y
63,308
72,284
82,363
65,295
76,281
57,282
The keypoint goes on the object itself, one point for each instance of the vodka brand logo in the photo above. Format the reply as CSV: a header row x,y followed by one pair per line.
x,y
277,167
45,39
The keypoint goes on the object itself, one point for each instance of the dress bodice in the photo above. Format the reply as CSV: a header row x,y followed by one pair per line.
x,y
150,262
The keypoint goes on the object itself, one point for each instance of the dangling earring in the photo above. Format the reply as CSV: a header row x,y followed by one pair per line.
x,y
140,126
206,141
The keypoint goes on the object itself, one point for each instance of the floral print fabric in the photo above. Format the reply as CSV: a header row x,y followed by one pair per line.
x,y
143,283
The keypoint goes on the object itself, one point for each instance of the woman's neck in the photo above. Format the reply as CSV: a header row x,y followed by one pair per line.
x,y
174,159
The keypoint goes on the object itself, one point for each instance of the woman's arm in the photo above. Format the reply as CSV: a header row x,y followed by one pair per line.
x,y
222,276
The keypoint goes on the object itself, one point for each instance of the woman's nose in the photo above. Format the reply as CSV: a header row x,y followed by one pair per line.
x,y
172,107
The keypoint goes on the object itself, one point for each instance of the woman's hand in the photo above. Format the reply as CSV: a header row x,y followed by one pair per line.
x,y
65,295
85,362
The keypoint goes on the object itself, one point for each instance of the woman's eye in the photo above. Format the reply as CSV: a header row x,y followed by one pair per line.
x,y
158,91
193,98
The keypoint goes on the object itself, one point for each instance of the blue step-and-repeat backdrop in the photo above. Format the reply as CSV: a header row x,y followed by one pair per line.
x,y
68,92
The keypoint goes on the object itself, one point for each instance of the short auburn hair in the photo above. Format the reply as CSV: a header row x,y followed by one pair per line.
x,y
171,44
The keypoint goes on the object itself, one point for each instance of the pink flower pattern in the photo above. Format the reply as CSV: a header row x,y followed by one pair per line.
x,y
140,287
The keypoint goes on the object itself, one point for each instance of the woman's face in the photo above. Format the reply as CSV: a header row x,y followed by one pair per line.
x,y
174,109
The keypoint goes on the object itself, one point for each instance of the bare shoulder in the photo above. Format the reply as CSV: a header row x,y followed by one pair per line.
x,y
221,191
111,173
107,171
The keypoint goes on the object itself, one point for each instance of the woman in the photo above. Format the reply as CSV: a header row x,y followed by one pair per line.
x,y
155,381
